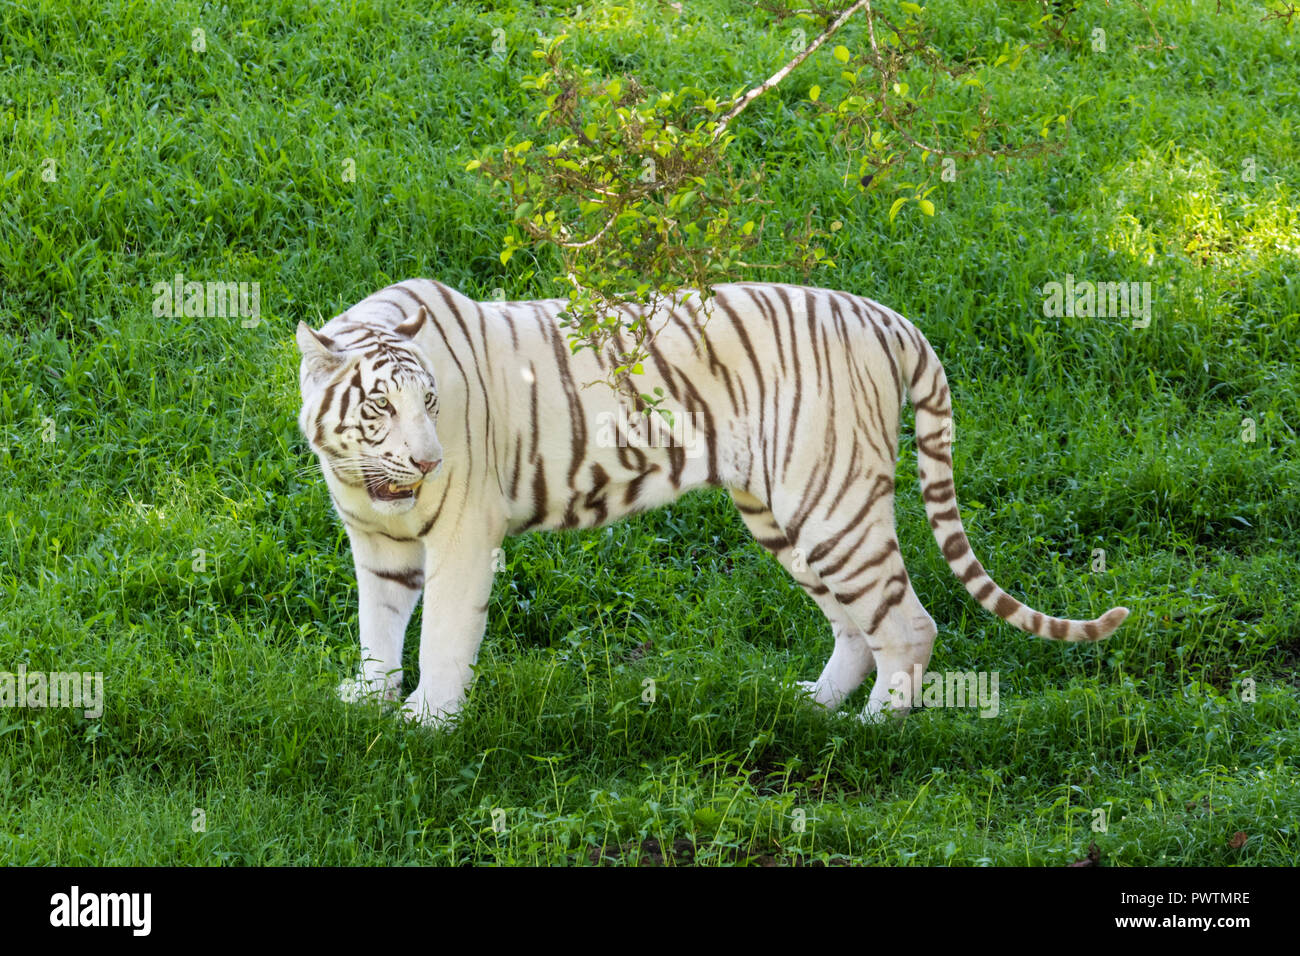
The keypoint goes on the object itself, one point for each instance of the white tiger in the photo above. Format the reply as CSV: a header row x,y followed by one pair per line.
x,y
443,424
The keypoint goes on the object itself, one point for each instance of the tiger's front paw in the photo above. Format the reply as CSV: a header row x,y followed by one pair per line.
x,y
435,716
358,689
811,692
880,710
808,688
805,690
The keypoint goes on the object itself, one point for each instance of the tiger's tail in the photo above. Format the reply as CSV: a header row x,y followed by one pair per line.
x,y
928,388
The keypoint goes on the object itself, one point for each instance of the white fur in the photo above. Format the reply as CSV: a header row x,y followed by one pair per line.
x,y
799,392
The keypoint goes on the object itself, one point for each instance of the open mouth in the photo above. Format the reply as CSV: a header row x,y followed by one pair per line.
x,y
392,491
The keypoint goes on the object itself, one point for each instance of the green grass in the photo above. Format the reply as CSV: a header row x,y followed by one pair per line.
x,y
172,435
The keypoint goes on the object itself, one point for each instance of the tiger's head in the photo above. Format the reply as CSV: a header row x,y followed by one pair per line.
x,y
369,408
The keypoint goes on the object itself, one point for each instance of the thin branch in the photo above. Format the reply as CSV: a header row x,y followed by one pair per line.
x,y
542,234
1286,13
782,73
1160,43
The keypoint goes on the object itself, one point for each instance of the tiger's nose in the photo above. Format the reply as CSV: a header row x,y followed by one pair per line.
x,y
426,466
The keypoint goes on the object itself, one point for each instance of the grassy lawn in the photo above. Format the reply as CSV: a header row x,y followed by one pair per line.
x,y
162,522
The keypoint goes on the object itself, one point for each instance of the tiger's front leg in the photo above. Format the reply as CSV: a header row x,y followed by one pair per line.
x,y
390,576
458,585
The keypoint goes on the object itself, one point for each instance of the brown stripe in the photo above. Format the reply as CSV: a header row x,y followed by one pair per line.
x,y
570,519
595,501
882,485
923,359
889,354
949,515
878,560
811,309
955,546
539,496
939,491
849,473
889,601
514,475
577,420
394,537
413,578
532,413
806,505
446,487
758,376
695,401
469,444
769,313
446,292
1006,606
834,568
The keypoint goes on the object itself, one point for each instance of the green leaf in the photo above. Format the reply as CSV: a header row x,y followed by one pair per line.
x,y
841,53
472,165
927,207
898,204
814,92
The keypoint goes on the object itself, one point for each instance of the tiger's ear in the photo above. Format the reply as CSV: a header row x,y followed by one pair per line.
x,y
317,351
411,327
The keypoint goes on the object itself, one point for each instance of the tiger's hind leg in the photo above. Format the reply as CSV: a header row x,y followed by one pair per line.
x,y
851,660
853,549
903,642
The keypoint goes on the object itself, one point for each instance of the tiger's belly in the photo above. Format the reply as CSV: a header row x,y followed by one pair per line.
x,y
616,479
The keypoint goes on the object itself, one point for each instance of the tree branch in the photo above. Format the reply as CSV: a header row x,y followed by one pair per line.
x,y
782,73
